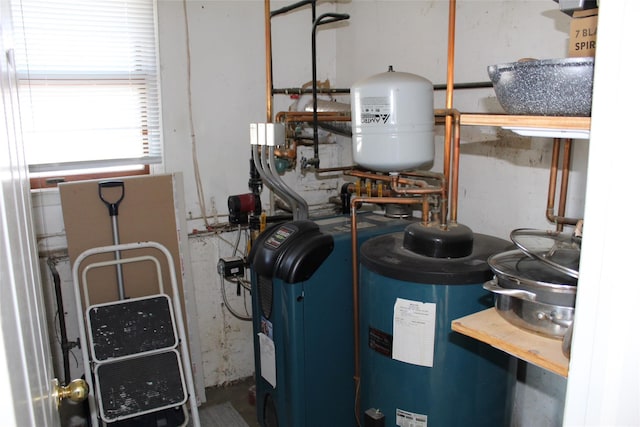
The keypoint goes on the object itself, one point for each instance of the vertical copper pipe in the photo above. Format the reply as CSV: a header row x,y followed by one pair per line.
x,y
564,183
451,52
453,195
553,176
446,157
449,96
269,70
560,220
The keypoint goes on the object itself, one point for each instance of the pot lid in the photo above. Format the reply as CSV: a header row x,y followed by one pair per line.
x,y
518,270
559,251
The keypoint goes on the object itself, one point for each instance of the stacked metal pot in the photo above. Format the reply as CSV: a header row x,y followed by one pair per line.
x,y
535,285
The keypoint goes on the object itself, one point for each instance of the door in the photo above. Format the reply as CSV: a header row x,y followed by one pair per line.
x,y
26,368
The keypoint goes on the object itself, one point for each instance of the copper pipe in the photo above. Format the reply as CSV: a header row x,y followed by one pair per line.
x,y
268,65
426,190
553,176
446,155
423,187
451,52
559,219
298,116
564,184
424,174
449,93
451,162
335,169
453,194
384,192
305,116
389,178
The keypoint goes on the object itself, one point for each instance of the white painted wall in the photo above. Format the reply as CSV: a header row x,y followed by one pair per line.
x,y
503,178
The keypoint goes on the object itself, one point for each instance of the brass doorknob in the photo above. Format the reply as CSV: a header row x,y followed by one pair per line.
x,y
76,391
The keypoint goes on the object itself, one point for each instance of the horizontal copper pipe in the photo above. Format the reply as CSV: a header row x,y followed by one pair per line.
x,y
399,178
335,169
306,116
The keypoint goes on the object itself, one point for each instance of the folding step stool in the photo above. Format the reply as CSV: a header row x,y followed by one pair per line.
x,y
136,362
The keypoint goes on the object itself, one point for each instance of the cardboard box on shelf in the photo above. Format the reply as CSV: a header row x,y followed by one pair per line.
x,y
582,33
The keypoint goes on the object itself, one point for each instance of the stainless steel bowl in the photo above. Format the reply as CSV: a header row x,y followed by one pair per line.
x,y
520,308
531,294
547,87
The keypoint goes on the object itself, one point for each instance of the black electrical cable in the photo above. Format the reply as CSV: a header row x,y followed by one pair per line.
x,y
292,7
326,18
64,342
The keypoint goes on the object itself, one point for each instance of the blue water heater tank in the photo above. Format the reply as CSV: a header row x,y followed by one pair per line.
x,y
415,371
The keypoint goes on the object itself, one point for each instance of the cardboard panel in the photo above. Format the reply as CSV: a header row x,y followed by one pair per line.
x,y
146,213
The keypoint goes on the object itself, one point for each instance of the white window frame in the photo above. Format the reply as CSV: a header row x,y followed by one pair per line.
x,y
120,58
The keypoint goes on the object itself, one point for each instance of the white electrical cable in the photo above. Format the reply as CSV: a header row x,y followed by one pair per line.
x,y
194,151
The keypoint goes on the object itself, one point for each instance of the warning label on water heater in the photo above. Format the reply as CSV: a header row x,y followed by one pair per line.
x,y
375,110
410,419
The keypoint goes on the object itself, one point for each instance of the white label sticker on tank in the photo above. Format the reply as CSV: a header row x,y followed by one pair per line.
x,y
414,327
375,110
267,359
409,419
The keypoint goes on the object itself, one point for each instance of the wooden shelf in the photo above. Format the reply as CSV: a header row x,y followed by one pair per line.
x,y
489,327
543,122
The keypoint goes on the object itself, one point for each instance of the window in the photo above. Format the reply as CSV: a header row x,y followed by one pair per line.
x,y
88,86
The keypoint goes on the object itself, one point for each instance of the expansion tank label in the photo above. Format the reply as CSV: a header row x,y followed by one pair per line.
x,y
410,419
375,110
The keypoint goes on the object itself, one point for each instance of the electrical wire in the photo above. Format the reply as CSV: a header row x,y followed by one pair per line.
x,y
242,282
235,248
194,151
226,302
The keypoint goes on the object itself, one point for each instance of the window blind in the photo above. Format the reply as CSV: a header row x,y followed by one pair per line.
x,y
88,83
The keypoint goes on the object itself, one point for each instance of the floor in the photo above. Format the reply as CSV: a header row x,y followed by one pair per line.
x,y
241,394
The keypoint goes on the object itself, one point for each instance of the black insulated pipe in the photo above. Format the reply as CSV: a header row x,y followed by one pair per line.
x,y
346,91
64,342
326,18
293,6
